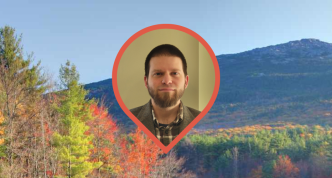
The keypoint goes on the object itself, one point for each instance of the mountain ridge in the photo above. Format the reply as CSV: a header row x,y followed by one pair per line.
x,y
285,82
305,42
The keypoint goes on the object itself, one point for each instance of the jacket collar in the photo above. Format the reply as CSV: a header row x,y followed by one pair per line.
x,y
147,118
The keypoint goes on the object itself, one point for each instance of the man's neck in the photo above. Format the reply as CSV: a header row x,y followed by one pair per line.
x,y
165,115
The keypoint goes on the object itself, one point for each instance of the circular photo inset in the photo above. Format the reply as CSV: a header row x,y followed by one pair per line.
x,y
165,78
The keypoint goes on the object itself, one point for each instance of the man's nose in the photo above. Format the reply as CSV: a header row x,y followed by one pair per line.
x,y
167,79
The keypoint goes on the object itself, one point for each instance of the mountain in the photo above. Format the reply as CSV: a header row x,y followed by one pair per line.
x,y
290,82
286,82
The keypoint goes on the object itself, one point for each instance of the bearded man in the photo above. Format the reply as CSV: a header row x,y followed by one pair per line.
x,y
166,79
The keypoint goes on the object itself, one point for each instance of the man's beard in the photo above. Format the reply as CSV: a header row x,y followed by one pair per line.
x,y
165,99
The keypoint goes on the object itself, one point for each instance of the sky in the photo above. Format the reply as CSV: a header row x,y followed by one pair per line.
x,y
90,33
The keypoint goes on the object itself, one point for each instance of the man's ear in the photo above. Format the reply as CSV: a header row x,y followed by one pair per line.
x,y
186,81
146,82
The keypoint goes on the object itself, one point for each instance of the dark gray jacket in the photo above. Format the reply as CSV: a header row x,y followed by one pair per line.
x,y
144,114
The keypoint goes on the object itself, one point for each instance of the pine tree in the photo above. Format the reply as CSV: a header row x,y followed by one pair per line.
x,y
72,143
21,87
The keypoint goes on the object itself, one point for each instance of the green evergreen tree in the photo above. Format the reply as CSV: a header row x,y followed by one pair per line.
x,y
329,148
268,169
72,143
21,87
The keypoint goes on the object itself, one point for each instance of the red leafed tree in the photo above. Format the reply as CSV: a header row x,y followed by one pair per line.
x,y
285,168
103,128
139,155
47,132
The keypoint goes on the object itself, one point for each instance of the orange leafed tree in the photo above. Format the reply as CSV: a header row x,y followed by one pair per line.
x,y
103,128
139,155
256,173
285,168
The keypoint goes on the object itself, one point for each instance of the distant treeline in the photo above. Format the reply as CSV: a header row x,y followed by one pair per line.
x,y
260,151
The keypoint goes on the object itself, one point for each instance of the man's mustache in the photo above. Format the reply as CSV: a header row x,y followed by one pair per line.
x,y
166,88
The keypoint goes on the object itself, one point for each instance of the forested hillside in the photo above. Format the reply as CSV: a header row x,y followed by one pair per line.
x,y
271,119
57,132
288,82
260,151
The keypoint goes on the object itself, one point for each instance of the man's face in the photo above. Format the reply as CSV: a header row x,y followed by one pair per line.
x,y
166,82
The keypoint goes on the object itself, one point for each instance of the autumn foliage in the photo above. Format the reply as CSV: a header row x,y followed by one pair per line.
x,y
256,173
60,132
1,128
139,155
103,128
285,168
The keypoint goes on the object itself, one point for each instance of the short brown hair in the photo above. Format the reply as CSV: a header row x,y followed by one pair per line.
x,y
167,50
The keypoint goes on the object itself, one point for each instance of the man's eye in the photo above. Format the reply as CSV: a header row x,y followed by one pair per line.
x,y
157,74
175,73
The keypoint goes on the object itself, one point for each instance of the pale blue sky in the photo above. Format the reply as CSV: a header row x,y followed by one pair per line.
x,y
90,33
